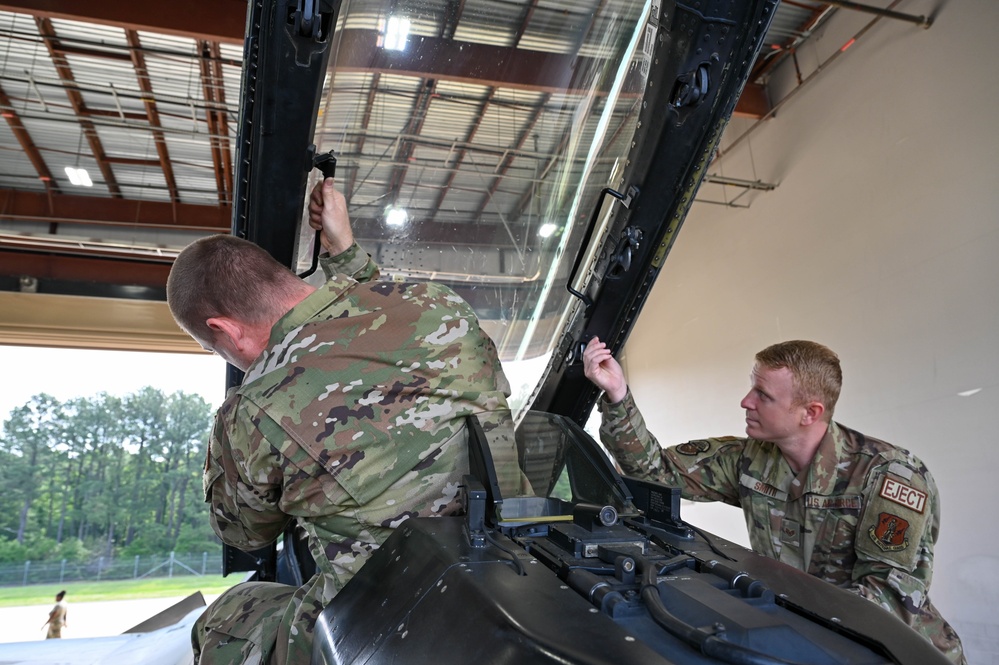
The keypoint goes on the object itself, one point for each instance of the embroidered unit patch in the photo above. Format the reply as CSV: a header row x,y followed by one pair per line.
x,y
889,533
903,495
693,447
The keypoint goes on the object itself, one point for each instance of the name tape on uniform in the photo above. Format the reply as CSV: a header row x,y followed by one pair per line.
x,y
833,502
762,487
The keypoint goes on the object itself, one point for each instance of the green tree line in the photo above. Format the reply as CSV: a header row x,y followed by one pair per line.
x,y
104,476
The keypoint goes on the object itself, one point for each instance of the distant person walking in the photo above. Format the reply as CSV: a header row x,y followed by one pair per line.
x,y
57,617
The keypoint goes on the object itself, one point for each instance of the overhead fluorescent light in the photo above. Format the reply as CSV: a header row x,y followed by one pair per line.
x,y
79,177
396,216
546,230
396,33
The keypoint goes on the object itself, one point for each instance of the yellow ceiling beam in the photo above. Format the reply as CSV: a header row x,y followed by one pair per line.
x,y
77,322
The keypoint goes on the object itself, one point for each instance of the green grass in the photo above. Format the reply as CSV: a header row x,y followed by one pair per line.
x,y
80,592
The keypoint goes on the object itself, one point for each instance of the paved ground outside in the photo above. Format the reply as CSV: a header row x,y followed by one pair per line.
x,y
112,617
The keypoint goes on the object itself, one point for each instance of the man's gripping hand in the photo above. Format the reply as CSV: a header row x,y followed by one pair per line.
x,y
328,211
604,371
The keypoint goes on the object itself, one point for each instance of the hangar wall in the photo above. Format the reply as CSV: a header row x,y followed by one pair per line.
x,y
880,241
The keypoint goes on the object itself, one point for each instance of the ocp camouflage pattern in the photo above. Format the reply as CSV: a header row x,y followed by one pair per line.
x,y
353,421
864,515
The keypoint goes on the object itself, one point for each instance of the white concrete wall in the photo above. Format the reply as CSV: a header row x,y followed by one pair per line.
x,y
882,242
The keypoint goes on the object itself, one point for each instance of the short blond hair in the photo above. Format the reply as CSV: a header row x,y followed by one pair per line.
x,y
815,371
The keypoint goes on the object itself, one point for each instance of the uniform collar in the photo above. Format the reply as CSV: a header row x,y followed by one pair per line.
x,y
313,304
832,459
286,329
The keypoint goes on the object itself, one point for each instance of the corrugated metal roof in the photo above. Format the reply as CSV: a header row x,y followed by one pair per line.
x,y
156,121
116,92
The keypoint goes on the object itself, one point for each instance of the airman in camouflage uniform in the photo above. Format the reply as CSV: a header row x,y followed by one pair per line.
x,y
863,514
351,420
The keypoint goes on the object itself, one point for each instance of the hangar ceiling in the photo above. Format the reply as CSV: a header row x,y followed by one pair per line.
x,y
140,100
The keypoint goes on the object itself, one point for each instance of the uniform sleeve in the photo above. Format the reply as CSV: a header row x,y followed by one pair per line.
x,y
705,470
354,262
242,482
623,431
898,528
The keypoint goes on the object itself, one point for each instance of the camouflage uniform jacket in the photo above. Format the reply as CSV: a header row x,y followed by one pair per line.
x,y
863,516
352,422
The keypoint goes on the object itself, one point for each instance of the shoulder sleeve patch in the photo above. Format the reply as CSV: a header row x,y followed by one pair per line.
x,y
894,519
889,533
706,447
693,447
